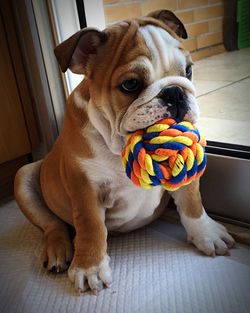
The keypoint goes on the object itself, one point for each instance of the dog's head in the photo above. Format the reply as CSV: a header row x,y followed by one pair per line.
x,y
137,71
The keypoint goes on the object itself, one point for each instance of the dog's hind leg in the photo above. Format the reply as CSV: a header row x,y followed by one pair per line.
x,y
58,246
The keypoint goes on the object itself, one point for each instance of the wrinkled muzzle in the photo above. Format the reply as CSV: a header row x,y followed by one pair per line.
x,y
172,96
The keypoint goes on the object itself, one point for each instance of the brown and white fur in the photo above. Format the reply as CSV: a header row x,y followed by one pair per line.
x,y
81,181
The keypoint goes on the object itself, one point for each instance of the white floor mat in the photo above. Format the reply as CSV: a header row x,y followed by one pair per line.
x,y
154,271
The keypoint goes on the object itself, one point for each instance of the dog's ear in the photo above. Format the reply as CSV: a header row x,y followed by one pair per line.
x,y
74,52
171,20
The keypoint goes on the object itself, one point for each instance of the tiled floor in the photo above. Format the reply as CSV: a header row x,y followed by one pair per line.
x,y
223,90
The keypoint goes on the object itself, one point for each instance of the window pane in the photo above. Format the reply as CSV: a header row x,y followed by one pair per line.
x,y
223,93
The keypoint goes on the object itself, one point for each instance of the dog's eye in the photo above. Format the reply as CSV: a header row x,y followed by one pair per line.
x,y
189,72
131,86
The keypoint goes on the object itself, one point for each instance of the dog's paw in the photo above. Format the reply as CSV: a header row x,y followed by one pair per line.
x,y
58,253
95,277
208,236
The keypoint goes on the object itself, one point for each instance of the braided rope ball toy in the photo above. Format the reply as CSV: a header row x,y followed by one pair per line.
x,y
168,153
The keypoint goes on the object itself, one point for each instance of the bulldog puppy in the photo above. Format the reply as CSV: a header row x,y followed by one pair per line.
x,y
135,73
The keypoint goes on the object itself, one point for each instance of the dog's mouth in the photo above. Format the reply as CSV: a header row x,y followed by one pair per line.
x,y
172,97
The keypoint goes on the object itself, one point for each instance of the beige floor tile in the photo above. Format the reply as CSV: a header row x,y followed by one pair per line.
x,y
230,103
226,131
223,90
229,66
205,86
247,80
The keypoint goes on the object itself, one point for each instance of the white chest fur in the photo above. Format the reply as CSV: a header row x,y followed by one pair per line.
x,y
126,206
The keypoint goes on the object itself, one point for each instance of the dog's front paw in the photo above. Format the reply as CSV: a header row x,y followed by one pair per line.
x,y
208,236
95,277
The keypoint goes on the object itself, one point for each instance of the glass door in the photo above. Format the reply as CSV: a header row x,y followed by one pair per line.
x,y
223,92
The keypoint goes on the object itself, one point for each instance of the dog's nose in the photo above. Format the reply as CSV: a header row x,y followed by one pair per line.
x,y
175,99
174,95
